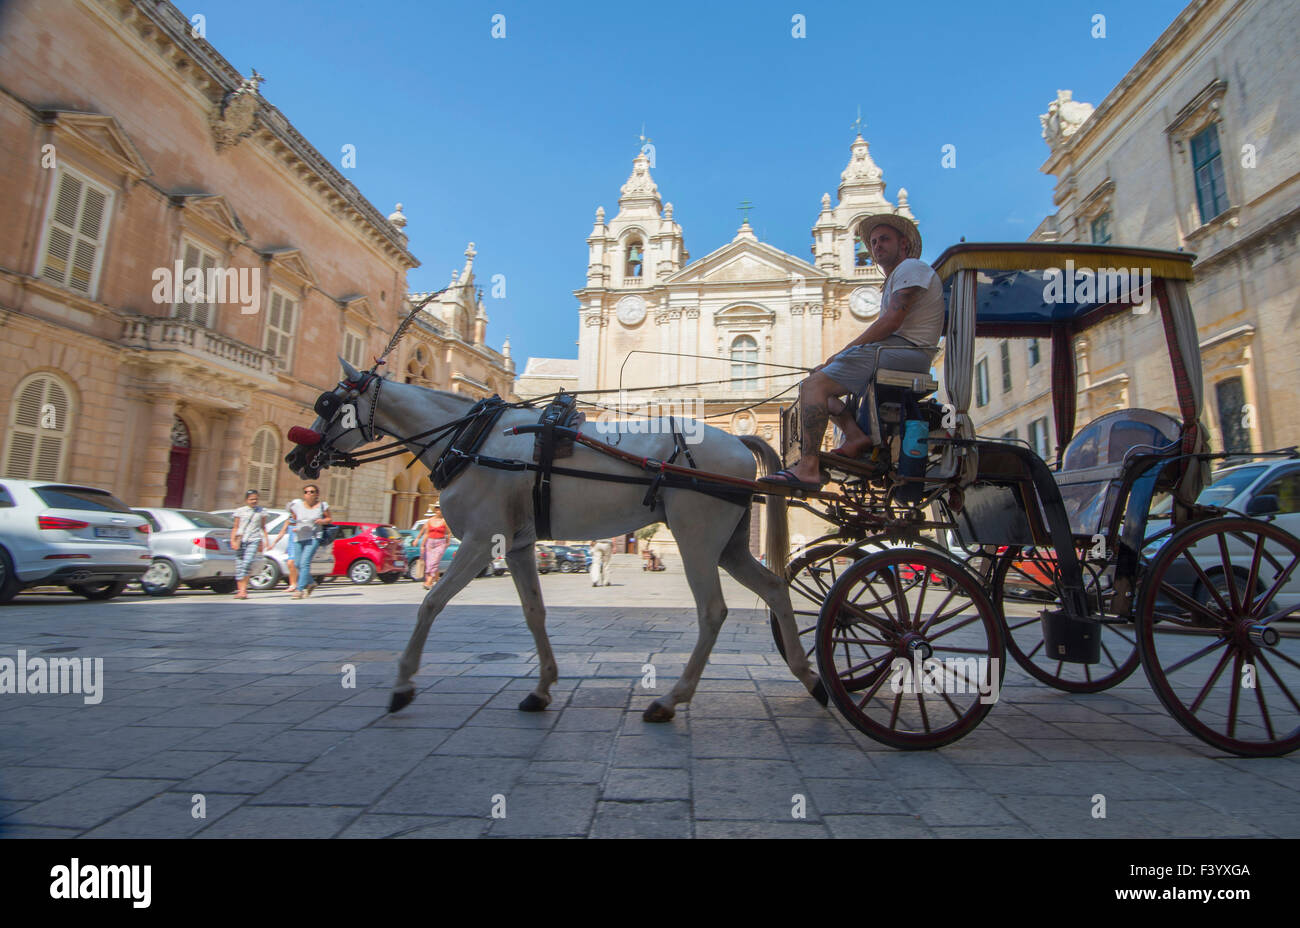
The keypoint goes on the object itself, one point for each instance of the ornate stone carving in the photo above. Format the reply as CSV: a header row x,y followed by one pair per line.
x,y
1063,118
692,312
236,116
595,319
640,183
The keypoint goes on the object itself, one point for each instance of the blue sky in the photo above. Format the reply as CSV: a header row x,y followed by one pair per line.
x,y
512,143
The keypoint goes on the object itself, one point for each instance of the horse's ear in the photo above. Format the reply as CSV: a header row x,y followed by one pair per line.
x,y
349,372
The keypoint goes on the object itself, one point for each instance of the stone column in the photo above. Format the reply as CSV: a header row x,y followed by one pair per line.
x,y
402,506
232,451
156,454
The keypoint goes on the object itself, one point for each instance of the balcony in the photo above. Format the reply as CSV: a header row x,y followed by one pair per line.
x,y
200,344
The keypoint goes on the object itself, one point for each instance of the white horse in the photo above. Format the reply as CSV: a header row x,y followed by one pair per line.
x,y
484,506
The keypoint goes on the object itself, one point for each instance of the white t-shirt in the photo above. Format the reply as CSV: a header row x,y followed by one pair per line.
x,y
305,517
923,321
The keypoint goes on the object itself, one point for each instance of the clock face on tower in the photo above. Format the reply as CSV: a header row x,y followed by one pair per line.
x,y
630,310
864,302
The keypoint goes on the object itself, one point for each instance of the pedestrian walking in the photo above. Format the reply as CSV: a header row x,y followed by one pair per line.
x,y
602,552
247,538
308,517
432,541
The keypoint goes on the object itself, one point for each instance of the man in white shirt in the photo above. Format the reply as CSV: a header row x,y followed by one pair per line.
x,y
904,337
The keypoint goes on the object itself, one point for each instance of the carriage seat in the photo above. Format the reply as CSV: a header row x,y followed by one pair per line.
x,y
885,396
1092,464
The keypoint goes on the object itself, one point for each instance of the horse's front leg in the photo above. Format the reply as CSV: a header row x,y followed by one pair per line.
x,y
469,561
523,568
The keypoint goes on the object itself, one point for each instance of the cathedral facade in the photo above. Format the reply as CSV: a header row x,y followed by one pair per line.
x,y
729,336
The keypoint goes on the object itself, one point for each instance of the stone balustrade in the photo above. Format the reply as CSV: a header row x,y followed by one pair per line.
x,y
195,340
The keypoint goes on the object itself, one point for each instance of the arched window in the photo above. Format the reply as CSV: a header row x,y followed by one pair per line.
x,y
861,253
744,363
635,258
40,423
264,463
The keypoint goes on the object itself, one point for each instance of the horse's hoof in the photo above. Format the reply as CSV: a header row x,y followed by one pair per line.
x,y
657,713
819,693
400,700
533,703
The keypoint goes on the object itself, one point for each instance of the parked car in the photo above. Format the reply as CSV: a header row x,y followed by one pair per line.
x,y
545,559
272,566
1268,489
411,551
365,550
570,559
188,547
495,568
68,535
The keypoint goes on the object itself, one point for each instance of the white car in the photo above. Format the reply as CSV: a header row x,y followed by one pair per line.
x,y
1265,489
59,534
189,547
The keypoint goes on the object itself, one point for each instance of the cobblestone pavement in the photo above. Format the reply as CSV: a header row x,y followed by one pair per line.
x,y
242,703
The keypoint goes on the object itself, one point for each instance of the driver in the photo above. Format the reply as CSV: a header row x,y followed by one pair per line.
x,y
904,337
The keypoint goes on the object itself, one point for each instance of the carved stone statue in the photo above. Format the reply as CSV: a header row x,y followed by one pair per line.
x,y
236,117
1063,118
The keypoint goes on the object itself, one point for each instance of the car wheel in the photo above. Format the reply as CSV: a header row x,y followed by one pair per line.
x,y
361,571
224,587
265,577
415,570
161,579
1218,578
98,590
390,578
9,585
498,572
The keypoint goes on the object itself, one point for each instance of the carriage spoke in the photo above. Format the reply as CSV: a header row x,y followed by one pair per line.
x,y
1229,578
1209,588
1209,684
1233,690
1263,707
925,716
1276,679
1196,657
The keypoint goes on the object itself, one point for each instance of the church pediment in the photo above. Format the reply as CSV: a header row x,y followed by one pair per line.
x,y
744,314
745,261
292,262
214,212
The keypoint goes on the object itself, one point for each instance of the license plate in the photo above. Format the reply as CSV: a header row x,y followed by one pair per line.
x,y
104,531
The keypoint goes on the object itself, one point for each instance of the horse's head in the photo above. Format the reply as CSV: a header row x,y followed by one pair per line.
x,y
342,417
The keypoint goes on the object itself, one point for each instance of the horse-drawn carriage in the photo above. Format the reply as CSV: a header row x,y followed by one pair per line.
x,y
950,549
1063,565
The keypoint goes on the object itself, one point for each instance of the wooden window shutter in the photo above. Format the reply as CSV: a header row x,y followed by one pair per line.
x,y
62,233
38,430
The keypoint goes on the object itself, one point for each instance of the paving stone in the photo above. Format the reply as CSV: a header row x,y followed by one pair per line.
x,y
642,820
32,784
747,790
546,811
169,815
452,786
273,822
877,826
730,829
238,776
647,783
736,738
89,804
415,826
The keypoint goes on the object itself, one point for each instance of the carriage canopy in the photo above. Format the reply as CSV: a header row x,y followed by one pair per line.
x,y
1053,291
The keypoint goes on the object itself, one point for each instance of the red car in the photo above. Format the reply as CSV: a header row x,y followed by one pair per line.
x,y
364,550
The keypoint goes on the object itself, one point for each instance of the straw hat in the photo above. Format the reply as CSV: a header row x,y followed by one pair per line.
x,y
900,224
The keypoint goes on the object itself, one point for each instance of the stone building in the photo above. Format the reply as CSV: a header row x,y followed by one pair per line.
x,y
760,317
1197,148
125,175
543,376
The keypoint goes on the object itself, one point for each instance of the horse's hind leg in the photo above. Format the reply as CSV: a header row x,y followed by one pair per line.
x,y
523,568
699,546
737,561
469,561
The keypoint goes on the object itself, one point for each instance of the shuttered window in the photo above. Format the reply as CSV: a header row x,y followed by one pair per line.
x,y
39,427
339,487
354,349
279,329
264,463
196,304
74,232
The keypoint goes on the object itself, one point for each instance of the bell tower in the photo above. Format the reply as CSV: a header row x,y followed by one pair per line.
x,y
836,249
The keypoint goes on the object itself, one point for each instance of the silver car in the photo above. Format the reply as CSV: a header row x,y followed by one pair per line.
x,y
189,547
272,567
68,535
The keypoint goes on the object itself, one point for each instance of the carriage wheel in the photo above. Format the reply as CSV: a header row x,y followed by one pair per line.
x,y
1219,634
894,611
810,577
1024,582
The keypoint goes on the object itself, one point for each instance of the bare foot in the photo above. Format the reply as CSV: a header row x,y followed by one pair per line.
x,y
853,449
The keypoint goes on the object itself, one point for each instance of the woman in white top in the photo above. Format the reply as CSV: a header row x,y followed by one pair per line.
x,y
247,537
307,518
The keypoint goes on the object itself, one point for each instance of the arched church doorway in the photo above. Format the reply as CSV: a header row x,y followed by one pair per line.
x,y
178,465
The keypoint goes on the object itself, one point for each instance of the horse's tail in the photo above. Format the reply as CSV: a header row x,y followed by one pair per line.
x,y
777,542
